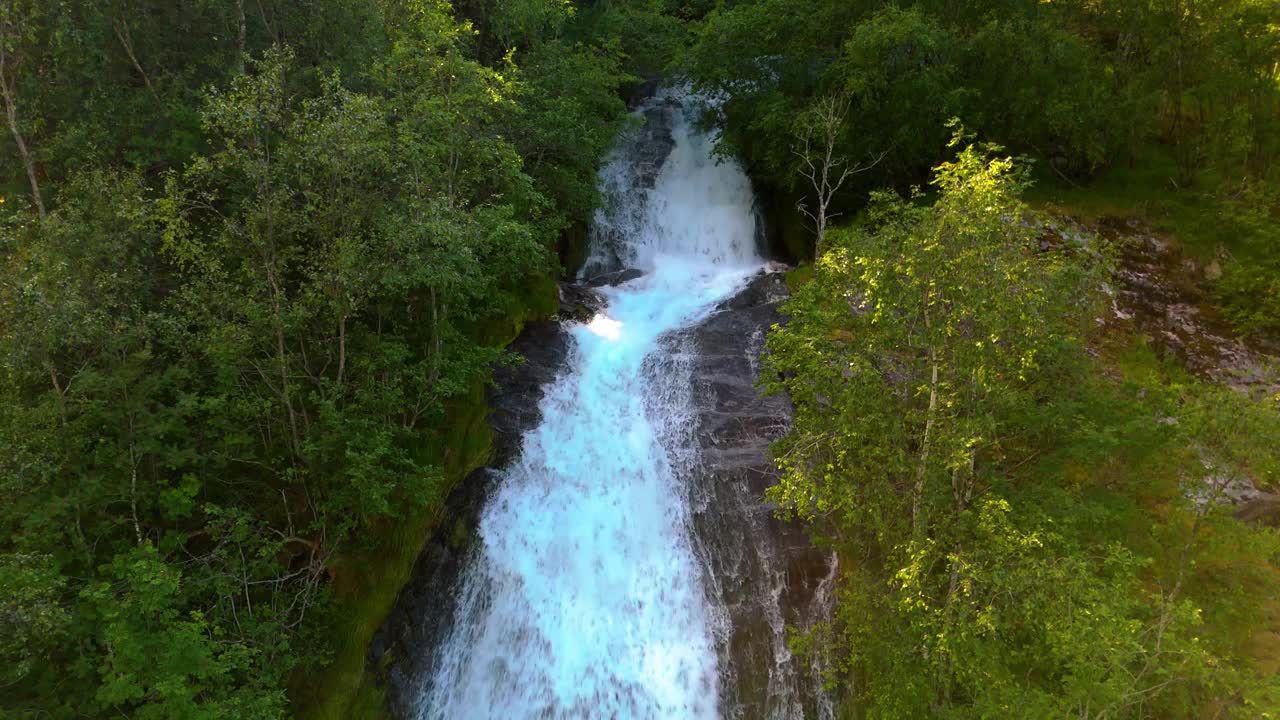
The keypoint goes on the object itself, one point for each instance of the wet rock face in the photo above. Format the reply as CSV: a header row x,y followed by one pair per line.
x,y
579,303
649,144
654,141
647,88
1164,295
426,604
616,277
763,572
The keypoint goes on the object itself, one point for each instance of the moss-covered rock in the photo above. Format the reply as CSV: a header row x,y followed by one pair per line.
x,y
575,246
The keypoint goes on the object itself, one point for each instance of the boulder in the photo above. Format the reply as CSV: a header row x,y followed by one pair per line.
x,y
579,303
616,277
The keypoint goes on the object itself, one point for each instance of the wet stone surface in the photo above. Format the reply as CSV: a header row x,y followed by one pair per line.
x,y
579,303
762,571
649,144
617,277
1164,294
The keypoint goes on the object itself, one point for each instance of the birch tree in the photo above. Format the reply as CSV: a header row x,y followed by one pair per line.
x,y
17,26
821,164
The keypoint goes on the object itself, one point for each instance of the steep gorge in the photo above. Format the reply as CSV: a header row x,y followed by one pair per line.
x,y
616,558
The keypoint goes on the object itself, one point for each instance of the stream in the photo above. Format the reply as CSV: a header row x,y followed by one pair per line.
x,y
624,564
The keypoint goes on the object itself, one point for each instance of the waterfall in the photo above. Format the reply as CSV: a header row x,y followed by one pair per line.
x,y
584,597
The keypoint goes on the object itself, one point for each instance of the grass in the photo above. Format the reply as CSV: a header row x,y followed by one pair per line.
x,y
1135,361
1234,577
1145,190
798,277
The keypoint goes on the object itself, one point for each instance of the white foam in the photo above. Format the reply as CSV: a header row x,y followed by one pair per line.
x,y
584,598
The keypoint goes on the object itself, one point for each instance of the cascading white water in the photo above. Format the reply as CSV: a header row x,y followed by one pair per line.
x,y
583,597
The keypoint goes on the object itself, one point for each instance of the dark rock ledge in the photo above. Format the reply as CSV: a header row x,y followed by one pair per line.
x,y
763,571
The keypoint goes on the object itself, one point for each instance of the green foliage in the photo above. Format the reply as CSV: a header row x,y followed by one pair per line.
x,y
1017,535
164,658
1083,87
899,67
257,258
1249,291
239,346
1054,95
31,617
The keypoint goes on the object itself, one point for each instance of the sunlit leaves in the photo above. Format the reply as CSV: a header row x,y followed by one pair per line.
x,y
923,361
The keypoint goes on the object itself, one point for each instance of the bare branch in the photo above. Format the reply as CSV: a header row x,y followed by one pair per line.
x,y
826,171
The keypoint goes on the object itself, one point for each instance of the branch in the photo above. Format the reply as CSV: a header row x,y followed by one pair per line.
x,y
126,42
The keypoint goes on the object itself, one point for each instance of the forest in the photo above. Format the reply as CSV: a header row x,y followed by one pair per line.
x,y
258,259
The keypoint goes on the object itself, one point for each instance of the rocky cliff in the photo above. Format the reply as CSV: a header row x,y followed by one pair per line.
x,y
765,573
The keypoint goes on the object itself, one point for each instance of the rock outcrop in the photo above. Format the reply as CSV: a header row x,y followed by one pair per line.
x,y
1163,294
579,303
764,572
649,144
617,277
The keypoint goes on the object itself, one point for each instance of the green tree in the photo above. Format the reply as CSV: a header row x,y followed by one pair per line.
x,y
927,361
229,345
17,30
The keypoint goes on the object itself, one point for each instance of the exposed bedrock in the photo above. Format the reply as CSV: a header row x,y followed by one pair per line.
x,y
764,572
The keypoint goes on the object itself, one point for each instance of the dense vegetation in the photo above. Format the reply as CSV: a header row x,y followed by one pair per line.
x,y
257,256
1018,533
1173,104
1028,510
256,259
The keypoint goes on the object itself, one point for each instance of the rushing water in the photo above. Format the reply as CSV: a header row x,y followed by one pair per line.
x,y
583,598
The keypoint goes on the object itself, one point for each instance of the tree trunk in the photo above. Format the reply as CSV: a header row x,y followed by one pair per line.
x,y
342,347
918,492
282,358
240,33
126,41
437,338
822,230
9,91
